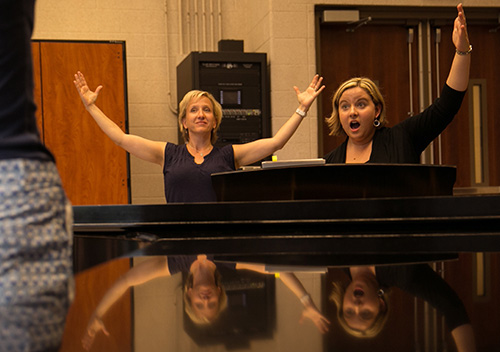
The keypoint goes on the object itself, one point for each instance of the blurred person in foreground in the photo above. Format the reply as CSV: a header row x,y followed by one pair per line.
x,y
36,274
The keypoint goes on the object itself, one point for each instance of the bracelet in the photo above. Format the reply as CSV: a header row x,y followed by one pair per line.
x,y
301,113
305,299
464,52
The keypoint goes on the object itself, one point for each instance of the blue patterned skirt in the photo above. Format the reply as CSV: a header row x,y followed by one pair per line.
x,y
36,274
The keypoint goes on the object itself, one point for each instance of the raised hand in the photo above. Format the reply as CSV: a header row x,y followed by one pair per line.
x,y
310,312
460,37
88,97
307,97
94,326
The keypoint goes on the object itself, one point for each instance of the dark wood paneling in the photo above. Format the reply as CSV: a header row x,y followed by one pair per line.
x,y
484,311
379,52
455,139
485,66
382,55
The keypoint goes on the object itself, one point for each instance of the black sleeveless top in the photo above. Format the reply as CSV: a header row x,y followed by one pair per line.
x,y
188,182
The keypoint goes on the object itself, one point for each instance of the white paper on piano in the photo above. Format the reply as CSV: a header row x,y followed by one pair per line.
x,y
292,163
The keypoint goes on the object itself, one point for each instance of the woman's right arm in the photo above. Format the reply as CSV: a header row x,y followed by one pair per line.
x,y
142,148
145,271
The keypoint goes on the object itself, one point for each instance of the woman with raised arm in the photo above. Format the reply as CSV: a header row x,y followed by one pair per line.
x,y
363,302
187,167
203,292
359,113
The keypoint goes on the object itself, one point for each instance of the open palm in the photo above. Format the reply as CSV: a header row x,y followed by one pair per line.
x,y
307,97
88,97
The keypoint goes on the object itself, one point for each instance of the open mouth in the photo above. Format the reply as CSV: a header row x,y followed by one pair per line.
x,y
358,292
354,125
206,293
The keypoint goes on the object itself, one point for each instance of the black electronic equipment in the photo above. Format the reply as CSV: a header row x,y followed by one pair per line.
x,y
239,82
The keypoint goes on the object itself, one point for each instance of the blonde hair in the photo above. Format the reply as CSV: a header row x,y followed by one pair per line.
x,y
188,306
183,105
373,91
337,297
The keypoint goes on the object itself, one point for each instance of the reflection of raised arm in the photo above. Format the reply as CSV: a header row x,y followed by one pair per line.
x,y
423,282
249,153
142,148
293,283
139,274
463,336
310,311
458,77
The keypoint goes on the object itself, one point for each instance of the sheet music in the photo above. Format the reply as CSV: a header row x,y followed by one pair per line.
x,y
292,163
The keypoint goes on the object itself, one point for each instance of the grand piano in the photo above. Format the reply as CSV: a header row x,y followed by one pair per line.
x,y
313,220
327,213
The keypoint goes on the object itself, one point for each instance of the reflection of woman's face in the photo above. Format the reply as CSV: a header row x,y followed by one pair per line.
x,y
205,301
204,294
361,305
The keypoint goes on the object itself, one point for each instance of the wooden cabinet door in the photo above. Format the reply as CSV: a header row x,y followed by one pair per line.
x,y
93,169
90,287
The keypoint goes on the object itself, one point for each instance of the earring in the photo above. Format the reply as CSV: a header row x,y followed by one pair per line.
x,y
376,123
380,292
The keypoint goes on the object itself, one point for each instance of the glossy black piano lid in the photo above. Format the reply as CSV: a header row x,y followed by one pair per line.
x,y
315,238
335,181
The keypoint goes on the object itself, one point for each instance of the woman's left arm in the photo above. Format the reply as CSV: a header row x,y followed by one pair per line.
x,y
245,154
310,311
139,274
293,283
458,78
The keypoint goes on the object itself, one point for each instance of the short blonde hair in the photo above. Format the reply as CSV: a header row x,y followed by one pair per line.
x,y
373,91
188,306
183,105
337,297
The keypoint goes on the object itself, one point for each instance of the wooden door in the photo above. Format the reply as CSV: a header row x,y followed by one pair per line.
x,y
93,169
459,140
90,287
379,52
410,79
475,279
384,50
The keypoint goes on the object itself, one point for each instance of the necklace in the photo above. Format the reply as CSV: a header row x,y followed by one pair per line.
x,y
202,153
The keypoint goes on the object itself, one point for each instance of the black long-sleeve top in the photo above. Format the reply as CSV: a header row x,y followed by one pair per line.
x,y
403,143
422,282
19,136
